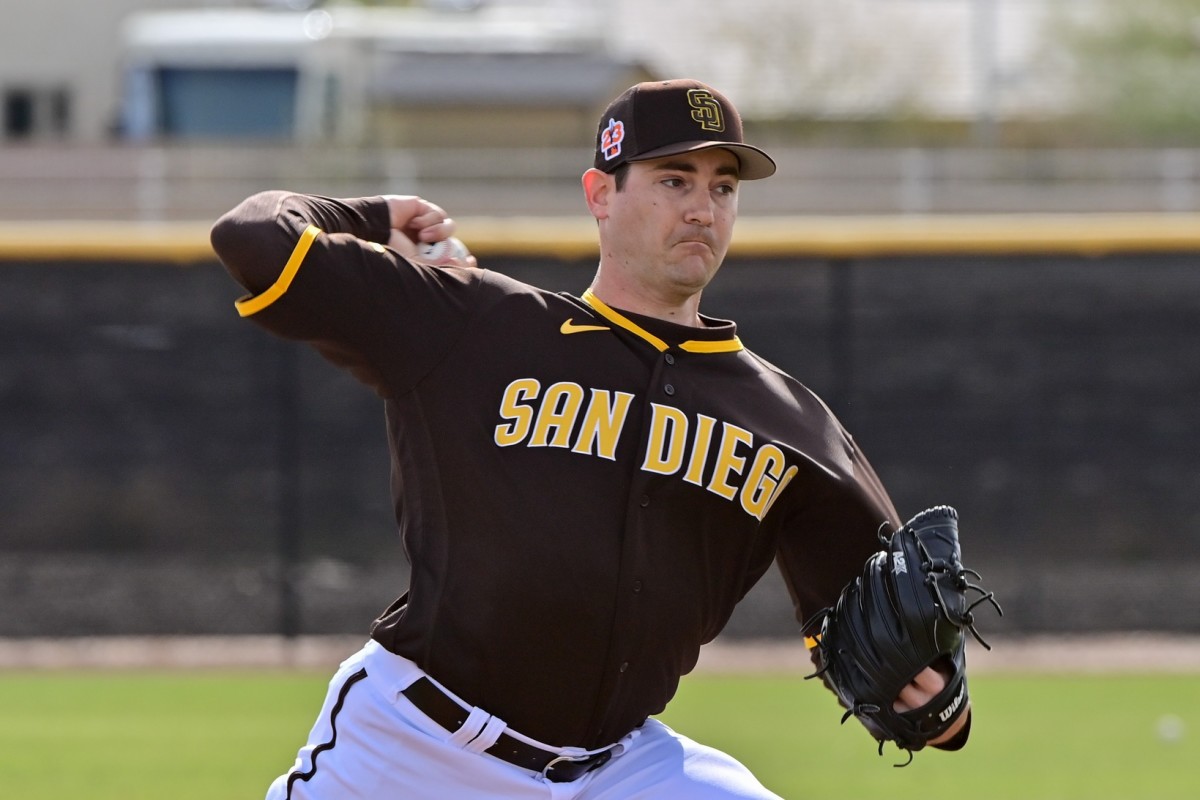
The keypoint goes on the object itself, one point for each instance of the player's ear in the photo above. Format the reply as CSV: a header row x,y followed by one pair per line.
x,y
598,187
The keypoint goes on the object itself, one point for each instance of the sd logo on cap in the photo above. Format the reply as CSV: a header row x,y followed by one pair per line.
x,y
663,118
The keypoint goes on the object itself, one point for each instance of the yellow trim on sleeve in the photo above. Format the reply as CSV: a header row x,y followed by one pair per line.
x,y
252,305
811,642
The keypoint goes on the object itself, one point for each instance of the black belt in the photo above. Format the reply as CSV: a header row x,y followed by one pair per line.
x,y
445,711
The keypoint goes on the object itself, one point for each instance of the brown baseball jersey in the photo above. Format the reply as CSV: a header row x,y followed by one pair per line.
x,y
584,494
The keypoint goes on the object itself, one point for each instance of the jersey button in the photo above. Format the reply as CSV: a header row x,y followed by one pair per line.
x,y
637,586
645,501
670,359
624,666
669,389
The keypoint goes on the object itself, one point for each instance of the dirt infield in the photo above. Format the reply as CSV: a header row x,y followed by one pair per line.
x,y
1110,653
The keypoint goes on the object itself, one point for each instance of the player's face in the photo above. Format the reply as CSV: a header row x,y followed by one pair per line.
x,y
669,227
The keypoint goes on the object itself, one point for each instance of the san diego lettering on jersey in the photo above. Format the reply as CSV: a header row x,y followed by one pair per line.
x,y
717,455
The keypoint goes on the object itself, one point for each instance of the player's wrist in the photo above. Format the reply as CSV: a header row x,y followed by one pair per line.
x,y
955,737
401,209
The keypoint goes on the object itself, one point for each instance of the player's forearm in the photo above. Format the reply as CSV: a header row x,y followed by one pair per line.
x,y
256,238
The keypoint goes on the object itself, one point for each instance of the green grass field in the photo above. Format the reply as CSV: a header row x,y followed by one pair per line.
x,y
137,736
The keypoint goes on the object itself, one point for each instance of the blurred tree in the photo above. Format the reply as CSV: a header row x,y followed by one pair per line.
x,y
1135,68
808,58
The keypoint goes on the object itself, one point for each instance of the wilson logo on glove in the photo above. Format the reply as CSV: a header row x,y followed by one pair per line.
x,y
949,712
909,610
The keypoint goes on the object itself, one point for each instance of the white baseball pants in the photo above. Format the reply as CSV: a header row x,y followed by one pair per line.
x,y
371,743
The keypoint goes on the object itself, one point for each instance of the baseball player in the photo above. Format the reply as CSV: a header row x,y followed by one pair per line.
x,y
585,486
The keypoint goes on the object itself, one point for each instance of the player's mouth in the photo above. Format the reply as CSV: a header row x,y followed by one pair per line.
x,y
692,242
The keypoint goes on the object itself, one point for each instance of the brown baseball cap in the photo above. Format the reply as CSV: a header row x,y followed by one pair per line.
x,y
663,118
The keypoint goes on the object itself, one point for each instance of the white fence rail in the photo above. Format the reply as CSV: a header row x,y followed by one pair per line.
x,y
149,183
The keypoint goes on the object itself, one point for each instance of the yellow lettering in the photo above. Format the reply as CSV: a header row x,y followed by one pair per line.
x,y
559,409
668,435
704,431
602,423
787,478
762,479
512,408
728,461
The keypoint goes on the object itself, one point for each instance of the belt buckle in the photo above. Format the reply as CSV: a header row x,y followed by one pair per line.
x,y
582,764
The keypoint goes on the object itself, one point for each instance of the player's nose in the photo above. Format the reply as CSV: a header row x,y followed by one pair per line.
x,y
701,209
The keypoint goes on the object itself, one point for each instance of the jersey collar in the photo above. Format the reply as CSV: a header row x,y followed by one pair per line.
x,y
719,337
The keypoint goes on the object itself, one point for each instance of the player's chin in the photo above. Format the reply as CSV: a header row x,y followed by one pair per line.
x,y
696,270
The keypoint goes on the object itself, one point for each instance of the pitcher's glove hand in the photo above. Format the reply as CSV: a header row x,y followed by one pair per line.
x,y
908,611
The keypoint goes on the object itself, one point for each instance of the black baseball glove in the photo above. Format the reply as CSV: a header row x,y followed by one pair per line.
x,y
908,611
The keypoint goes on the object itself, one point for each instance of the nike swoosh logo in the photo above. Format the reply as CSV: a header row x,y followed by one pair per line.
x,y
570,327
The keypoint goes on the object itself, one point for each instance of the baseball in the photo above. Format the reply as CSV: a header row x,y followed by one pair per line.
x,y
442,252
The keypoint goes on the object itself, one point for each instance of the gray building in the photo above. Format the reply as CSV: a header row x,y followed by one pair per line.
x,y
145,71
83,69
60,66
393,77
